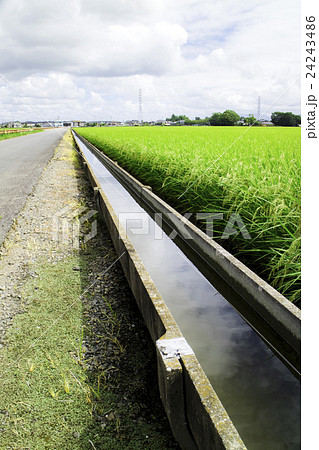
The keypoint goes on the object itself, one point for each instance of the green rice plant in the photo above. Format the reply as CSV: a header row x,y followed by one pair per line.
x,y
252,172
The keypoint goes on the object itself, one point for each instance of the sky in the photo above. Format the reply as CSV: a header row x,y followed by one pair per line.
x,y
88,59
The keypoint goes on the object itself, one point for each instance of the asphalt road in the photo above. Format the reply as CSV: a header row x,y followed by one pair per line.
x,y
22,160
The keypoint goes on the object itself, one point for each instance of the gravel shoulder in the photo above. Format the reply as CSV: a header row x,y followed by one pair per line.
x,y
59,232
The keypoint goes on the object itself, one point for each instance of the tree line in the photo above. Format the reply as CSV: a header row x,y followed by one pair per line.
x,y
231,118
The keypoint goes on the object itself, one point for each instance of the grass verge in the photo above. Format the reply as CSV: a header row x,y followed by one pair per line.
x,y
49,398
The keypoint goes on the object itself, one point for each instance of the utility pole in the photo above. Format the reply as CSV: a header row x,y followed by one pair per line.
x,y
140,109
258,108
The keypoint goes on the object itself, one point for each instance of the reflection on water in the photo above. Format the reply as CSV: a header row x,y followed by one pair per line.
x,y
259,393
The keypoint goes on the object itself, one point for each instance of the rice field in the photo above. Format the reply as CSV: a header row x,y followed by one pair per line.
x,y
253,172
6,133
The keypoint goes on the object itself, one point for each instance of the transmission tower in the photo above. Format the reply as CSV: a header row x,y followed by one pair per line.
x,y
140,106
258,108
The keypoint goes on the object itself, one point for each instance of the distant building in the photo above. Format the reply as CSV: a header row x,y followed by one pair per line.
x,y
58,123
78,123
165,122
44,124
113,123
74,123
132,123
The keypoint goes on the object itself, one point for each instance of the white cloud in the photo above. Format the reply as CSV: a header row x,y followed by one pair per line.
x,y
133,49
192,57
63,38
55,85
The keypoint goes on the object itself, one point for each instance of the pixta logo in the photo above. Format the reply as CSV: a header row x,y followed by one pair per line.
x,y
77,225
140,223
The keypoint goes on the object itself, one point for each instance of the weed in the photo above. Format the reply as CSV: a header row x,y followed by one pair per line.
x,y
79,347
53,392
114,315
30,365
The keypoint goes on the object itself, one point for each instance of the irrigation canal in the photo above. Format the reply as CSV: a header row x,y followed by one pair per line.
x,y
258,388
